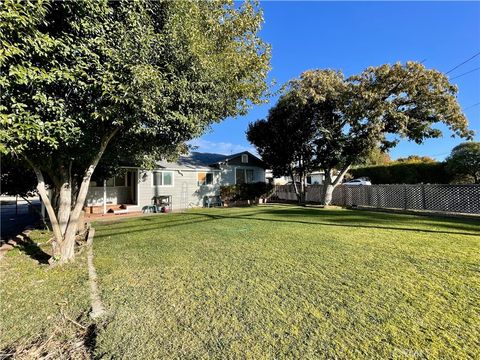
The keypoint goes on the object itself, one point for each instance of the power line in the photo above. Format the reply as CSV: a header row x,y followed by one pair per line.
x,y
457,66
471,106
465,73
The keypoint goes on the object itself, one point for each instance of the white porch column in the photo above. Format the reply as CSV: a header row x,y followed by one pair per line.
x,y
104,196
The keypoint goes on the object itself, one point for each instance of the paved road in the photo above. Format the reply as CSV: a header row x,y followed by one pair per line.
x,y
15,219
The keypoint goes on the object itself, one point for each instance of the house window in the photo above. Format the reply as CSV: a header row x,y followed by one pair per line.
x,y
309,180
245,158
249,175
120,180
239,176
163,178
243,176
110,182
205,178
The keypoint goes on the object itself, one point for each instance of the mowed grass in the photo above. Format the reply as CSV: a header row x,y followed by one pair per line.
x,y
289,282
36,300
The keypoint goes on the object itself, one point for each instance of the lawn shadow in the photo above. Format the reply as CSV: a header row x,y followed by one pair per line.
x,y
31,249
253,216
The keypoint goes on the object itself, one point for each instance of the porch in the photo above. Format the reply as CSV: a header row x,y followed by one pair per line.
x,y
117,195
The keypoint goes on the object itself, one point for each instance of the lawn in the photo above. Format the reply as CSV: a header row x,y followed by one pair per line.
x,y
37,301
288,282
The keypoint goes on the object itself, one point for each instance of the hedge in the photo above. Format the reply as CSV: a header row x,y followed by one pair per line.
x,y
404,173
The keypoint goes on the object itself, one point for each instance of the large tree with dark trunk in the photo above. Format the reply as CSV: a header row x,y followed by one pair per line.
x,y
352,116
85,79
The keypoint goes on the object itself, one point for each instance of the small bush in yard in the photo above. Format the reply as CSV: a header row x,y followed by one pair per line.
x,y
248,191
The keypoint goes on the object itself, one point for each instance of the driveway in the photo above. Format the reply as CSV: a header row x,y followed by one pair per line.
x,y
16,216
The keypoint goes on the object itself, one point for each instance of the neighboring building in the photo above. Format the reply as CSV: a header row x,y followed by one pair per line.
x,y
314,178
187,181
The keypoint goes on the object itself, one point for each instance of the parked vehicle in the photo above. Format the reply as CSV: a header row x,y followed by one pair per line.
x,y
358,182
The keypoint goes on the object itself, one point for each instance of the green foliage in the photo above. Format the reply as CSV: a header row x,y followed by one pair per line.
x,y
16,177
247,191
463,164
347,118
416,159
376,157
157,72
131,80
404,173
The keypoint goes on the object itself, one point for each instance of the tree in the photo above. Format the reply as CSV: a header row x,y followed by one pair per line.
x,y
464,162
416,159
285,142
379,106
87,79
377,157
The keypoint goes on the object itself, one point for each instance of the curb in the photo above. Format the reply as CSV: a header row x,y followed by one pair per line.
x,y
98,309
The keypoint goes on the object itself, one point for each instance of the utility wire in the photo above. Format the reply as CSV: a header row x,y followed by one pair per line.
x,y
457,66
471,106
465,73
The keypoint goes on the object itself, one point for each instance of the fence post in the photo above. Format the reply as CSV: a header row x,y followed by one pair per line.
x,y
424,202
405,198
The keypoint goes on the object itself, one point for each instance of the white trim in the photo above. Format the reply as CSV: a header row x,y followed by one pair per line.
x,y
138,186
163,171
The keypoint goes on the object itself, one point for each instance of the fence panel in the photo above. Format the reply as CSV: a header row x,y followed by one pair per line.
x,y
430,197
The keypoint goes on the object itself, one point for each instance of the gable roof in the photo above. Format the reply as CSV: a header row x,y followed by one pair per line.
x,y
198,160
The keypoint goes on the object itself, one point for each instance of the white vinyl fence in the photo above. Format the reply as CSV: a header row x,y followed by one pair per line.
x,y
430,197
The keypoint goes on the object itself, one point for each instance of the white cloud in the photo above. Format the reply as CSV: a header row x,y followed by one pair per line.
x,y
225,148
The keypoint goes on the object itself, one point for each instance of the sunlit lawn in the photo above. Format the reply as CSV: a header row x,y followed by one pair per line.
x,y
36,300
289,282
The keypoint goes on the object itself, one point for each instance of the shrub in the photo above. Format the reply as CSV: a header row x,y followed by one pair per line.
x,y
405,173
245,191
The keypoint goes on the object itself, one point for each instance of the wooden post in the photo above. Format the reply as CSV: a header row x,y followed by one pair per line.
x,y
424,200
104,196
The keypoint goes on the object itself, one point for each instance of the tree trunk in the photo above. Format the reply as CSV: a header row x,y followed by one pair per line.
x,y
65,222
330,186
302,197
328,191
65,205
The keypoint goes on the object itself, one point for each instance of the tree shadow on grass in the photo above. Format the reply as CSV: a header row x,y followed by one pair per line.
x,y
33,250
253,216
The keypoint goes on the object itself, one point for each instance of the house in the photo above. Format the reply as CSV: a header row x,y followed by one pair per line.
x,y
185,182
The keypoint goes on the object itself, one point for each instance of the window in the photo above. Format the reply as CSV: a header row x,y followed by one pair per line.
x,y
245,158
162,178
120,180
111,182
309,180
249,175
239,176
205,178
243,176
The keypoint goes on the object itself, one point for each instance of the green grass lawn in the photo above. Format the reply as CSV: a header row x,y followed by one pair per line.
x,y
36,300
288,282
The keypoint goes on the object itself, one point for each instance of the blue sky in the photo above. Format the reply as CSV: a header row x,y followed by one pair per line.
x,y
351,36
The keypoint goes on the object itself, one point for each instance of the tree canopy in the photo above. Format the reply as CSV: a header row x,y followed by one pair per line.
x,y
351,116
121,79
464,162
